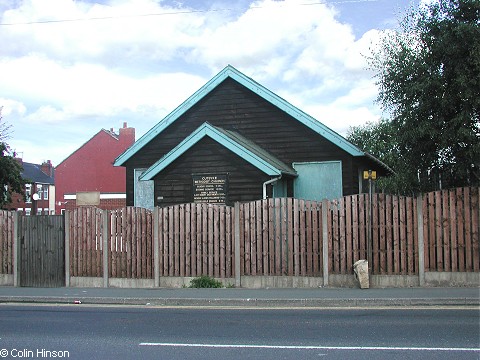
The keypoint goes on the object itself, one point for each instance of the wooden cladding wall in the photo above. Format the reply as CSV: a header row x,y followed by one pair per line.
x,y
6,242
232,106
174,184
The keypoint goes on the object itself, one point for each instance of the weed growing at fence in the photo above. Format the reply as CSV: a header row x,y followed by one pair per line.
x,y
205,282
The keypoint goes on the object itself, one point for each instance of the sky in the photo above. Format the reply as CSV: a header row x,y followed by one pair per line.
x,y
69,68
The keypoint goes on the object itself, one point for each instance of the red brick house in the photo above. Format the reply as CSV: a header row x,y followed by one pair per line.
x,y
88,177
39,190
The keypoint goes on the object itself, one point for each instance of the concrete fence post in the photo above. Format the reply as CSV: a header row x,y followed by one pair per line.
x,y
238,282
105,233
421,242
156,255
325,241
16,252
67,248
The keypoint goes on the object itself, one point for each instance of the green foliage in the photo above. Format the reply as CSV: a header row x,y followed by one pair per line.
x,y
10,176
205,282
380,140
10,170
428,74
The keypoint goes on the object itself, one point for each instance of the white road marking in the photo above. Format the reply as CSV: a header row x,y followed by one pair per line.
x,y
368,348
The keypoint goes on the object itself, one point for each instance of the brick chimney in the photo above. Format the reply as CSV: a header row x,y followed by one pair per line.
x,y
127,135
47,168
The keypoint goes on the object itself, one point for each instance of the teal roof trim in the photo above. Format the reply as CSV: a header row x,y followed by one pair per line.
x,y
258,151
248,151
260,90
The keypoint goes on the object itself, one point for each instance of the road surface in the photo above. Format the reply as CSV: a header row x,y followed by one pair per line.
x,y
103,332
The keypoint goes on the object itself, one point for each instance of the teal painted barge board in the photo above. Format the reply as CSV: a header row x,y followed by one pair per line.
x,y
208,130
249,83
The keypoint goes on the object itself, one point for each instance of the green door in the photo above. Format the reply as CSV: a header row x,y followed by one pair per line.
x,y
318,180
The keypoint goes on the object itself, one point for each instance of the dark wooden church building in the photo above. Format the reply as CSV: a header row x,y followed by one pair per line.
x,y
234,140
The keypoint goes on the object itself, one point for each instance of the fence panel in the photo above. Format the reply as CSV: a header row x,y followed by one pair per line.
x,y
196,240
6,242
85,241
278,237
347,219
281,237
130,236
451,230
393,234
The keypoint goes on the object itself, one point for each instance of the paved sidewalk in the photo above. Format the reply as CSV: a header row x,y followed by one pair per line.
x,y
298,297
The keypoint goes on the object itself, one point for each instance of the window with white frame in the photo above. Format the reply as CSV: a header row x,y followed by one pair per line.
x,y
28,193
39,191
45,192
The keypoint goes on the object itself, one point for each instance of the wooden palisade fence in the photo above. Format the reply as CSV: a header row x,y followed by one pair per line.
x,y
287,238
6,242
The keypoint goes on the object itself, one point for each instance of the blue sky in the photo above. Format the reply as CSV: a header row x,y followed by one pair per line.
x,y
70,68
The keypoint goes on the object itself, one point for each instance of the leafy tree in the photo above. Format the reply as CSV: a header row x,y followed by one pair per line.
x,y
428,74
10,170
380,140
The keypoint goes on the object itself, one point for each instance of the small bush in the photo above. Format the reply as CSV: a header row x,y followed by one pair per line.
x,y
205,282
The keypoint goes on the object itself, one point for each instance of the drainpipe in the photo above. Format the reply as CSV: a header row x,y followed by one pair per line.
x,y
267,183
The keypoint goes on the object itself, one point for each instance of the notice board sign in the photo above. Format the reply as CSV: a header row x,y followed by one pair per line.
x,y
210,188
88,198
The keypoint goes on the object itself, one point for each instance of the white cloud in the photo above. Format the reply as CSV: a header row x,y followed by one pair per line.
x,y
86,89
137,60
10,107
65,28
340,119
45,114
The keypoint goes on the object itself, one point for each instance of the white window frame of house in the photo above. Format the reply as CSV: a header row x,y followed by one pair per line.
x,y
39,191
28,211
45,192
28,193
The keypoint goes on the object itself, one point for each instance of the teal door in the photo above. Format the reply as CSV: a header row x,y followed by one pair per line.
x,y
318,180
280,188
